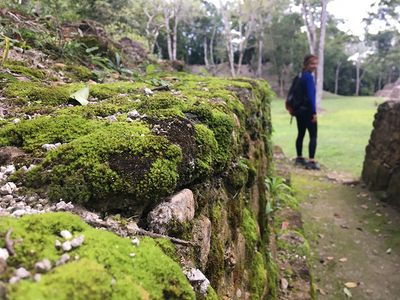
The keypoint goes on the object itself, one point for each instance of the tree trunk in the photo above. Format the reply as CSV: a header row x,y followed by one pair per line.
x,y
379,82
228,38
310,27
168,31
337,77
358,78
205,47
241,45
175,37
321,48
212,45
259,58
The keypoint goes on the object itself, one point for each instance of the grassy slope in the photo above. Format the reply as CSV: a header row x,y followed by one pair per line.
x,y
344,130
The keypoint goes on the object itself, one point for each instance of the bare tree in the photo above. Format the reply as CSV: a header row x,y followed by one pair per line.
x,y
321,53
154,23
226,21
337,73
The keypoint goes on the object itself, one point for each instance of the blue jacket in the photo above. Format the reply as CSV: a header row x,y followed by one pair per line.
x,y
308,85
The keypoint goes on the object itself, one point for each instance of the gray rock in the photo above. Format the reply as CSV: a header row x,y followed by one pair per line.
x,y
66,234
9,170
63,259
112,118
129,120
49,147
62,206
22,273
8,188
43,266
66,246
202,238
176,210
198,280
4,254
134,114
16,120
78,241
148,92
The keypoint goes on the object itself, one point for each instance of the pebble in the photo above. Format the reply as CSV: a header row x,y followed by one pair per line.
x,y
63,206
63,259
66,234
58,244
10,169
8,188
19,213
132,254
21,273
4,254
134,114
112,118
129,120
148,92
78,241
43,266
16,121
66,246
135,241
49,147
14,279
37,277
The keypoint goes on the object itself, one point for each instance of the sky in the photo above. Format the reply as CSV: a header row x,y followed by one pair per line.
x,y
352,12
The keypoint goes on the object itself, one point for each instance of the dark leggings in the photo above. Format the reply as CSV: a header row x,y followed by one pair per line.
x,y
304,123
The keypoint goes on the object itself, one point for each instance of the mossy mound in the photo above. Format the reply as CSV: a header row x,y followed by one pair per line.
x,y
102,268
181,135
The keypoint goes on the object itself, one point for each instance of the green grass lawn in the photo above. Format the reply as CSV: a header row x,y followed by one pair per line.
x,y
344,129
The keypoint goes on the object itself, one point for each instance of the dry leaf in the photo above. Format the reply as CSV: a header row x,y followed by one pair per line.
x,y
329,257
351,285
343,259
364,206
285,225
388,251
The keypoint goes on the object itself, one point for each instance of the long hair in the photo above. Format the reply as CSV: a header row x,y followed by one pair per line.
x,y
307,59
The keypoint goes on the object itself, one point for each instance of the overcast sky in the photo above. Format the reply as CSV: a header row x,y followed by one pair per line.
x,y
352,12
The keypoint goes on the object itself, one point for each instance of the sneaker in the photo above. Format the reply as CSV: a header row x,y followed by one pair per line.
x,y
312,165
300,161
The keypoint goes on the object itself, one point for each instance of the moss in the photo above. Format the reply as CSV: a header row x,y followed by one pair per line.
x,y
22,69
273,276
80,73
258,277
206,146
249,230
109,90
118,165
215,264
32,134
168,248
21,93
102,258
211,294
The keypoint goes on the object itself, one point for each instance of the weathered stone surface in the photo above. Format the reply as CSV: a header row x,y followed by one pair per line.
x,y
381,170
177,209
202,238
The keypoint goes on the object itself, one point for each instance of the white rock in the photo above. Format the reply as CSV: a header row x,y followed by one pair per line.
x,y
14,279
66,246
129,120
66,234
135,241
8,188
198,280
49,147
24,169
132,254
177,209
148,91
112,118
63,259
58,244
78,241
16,120
22,273
37,277
43,266
4,254
10,169
62,206
134,114
19,213
31,167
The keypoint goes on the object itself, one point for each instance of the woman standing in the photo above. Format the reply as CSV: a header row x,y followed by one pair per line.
x,y
307,119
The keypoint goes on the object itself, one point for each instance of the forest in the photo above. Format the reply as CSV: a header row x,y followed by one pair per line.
x,y
258,38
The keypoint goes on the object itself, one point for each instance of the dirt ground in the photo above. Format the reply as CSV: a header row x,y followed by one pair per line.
x,y
354,237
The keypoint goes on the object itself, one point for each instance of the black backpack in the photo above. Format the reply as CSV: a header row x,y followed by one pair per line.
x,y
296,101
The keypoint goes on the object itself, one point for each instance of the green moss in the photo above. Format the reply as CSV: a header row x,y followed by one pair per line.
x,y
211,294
215,264
249,230
273,277
258,277
32,134
21,93
80,73
117,165
102,258
22,69
206,147
109,90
